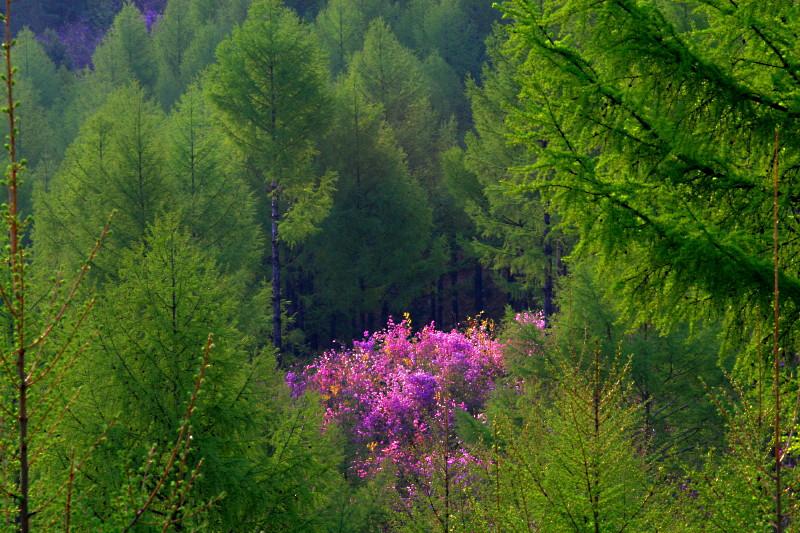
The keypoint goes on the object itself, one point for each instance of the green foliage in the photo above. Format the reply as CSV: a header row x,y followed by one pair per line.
x,y
257,447
185,38
642,129
172,38
152,324
341,27
208,186
391,76
114,164
670,373
35,66
656,136
126,53
369,256
448,28
568,455
735,487
270,86
512,222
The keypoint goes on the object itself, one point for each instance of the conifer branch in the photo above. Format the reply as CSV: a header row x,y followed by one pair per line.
x,y
184,436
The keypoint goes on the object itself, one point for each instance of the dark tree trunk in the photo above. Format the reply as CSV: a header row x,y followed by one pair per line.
x,y
384,313
276,273
454,308
549,271
439,318
432,310
478,288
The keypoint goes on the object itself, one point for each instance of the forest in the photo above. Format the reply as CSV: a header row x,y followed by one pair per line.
x,y
354,266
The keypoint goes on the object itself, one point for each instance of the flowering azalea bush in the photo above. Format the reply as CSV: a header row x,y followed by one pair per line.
x,y
396,394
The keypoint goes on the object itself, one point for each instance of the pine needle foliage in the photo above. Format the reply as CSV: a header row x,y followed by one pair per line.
x,y
656,125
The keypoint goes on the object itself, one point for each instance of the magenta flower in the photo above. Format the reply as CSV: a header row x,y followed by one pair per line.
x,y
530,318
396,394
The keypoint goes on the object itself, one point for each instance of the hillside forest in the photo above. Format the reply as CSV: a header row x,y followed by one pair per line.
x,y
353,266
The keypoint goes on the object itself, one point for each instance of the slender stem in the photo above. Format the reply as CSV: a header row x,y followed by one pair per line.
x,y
775,350
17,283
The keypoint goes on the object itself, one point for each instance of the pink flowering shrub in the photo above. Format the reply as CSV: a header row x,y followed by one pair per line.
x,y
396,394
530,318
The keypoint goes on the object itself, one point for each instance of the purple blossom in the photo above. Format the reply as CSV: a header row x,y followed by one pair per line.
x,y
531,318
396,394
296,383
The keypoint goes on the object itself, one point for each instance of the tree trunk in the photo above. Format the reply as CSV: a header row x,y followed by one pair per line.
x,y
439,308
478,288
276,273
549,271
454,295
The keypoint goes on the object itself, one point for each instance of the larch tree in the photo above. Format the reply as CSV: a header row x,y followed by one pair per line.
x,y
514,229
658,141
341,26
567,455
115,164
184,41
671,148
210,192
39,92
370,253
270,86
149,326
34,65
126,53
41,324
171,38
389,74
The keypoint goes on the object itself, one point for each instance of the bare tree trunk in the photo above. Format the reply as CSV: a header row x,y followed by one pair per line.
x,y
439,302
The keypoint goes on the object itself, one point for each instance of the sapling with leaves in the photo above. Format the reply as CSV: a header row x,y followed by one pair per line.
x,y
31,366
735,488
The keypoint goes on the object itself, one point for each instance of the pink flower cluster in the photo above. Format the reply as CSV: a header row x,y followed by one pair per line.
x,y
531,318
396,394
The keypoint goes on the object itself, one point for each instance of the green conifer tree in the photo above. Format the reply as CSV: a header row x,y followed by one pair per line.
x,y
569,456
270,87
115,164
185,38
657,136
126,53
369,254
514,226
150,326
390,75
208,187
